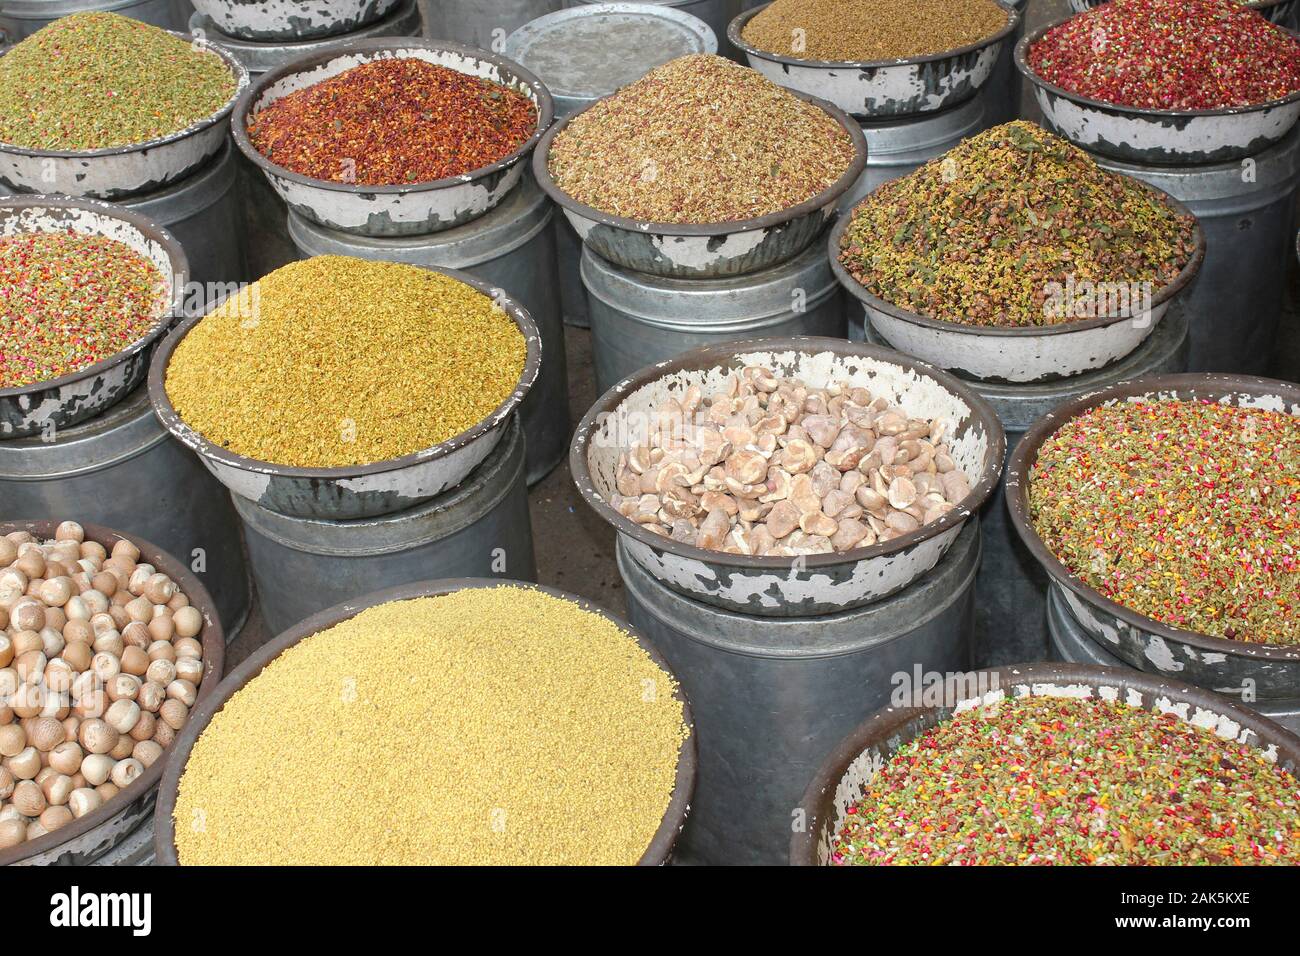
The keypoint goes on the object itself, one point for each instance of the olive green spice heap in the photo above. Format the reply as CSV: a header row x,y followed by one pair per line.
x,y
489,726
988,233
852,31
335,361
98,80
699,140
1187,512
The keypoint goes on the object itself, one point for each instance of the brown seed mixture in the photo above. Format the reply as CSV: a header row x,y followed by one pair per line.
x,y
773,467
489,726
335,361
699,140
851,31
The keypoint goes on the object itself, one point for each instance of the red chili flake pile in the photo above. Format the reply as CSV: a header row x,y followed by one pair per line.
x,y
1187,512
69,300
1042,780
393,122
1170,55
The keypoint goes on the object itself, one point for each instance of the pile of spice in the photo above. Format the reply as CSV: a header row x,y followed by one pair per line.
x,y
1042,780
394,121
100,663
69,300
1170,55
700,140
1185,511
771,466
994,231
488,726
335,361
98,80
854,31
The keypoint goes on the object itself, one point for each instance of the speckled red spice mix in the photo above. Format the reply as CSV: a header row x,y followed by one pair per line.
x,y
393,122
68,301
1170,55
1185,511
1043,780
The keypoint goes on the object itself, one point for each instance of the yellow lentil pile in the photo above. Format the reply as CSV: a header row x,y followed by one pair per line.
x,y
335,361
488,726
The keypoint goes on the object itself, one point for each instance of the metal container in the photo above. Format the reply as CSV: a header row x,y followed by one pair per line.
x,y
1010,616
1145,643
513,247
1071,644
585,53
809,585
102,831
135,849
479,24
407,209
716,13
903,86
290,19
773,696
840,781
122,470
1247,211
1005,87
638,319
19,19
478,529
660,848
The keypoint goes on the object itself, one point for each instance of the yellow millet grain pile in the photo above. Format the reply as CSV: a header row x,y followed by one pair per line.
x,y
489,726
335,361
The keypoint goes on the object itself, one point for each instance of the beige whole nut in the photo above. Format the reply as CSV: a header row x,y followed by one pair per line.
x,y
782,519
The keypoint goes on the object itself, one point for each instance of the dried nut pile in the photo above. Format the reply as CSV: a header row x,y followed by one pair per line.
x,y
700,140
494,725
1044,780
99,80
1185,511
856,31
776,468
100,663
1003,228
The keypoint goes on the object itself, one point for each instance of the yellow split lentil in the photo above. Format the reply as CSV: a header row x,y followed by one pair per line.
x,y
488,726
335,361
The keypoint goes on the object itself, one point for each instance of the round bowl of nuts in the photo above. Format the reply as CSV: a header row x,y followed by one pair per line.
x,y
1166,510
788,477
102,662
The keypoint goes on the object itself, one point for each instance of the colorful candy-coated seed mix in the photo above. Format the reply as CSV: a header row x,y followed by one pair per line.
x,y
700,140
98,80
1185,511
393,122
990,232
488,726
1069,781
1170,55
69,300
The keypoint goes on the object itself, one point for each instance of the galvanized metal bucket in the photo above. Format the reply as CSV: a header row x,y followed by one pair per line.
x,y
773,696
290,19
478,529
478,24
716,13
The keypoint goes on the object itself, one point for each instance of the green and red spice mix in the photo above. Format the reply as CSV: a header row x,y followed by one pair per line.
x,y
394,121
991,232
1185,511
1170,55
68,301
1043,780
98,80
696,141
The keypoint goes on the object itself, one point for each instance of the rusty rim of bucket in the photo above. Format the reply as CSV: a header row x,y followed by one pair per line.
x,y
1191,386
212,638
710,357
661,844
904,724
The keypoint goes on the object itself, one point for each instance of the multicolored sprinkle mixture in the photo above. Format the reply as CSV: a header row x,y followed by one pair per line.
x,y
1170,55
1044,780
1185,511
69,300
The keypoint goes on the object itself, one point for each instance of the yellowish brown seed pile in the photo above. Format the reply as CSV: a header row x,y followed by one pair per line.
x,y
489,726
336,361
